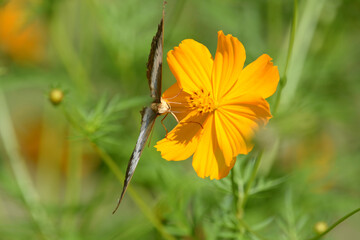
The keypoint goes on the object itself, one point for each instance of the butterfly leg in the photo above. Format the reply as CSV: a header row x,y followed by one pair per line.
x,y
162,123
195,123
177,120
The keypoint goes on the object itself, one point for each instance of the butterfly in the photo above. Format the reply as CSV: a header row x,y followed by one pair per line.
x,y
157,107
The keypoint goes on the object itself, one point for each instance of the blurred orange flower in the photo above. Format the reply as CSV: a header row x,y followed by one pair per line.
x,y
219,105
21,35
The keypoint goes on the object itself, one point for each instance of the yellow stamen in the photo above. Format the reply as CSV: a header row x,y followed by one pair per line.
x,y
201,101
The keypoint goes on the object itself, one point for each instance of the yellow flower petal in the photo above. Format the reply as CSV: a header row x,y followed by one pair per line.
x,y
208,160
229,136
229,61
182,141
260,78
176,98
250,106
237,122
191,64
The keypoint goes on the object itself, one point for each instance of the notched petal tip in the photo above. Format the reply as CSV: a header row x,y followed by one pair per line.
x,y
266,57
260,77
229,61
187,41
191,64
222,34
215,173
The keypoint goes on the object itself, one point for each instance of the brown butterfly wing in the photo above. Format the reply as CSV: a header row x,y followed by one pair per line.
x,y
147,123
154,76
154,64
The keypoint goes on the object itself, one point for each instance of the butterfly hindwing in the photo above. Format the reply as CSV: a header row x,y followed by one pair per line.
x,y
147,123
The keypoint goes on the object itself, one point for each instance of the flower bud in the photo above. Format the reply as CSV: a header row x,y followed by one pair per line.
x,y
320,227
56,96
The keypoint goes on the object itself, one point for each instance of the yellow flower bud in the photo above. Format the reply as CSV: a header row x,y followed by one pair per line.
x,y
56,96
320,227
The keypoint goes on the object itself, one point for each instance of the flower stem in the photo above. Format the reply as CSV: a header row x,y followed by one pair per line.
x,y
21,174
134,195
243,224
67,54
235,193
120,176
283,80
335,224
277,100
252,179
73,185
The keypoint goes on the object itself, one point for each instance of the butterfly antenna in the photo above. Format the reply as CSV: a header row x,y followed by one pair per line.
x,y
163,13
175,95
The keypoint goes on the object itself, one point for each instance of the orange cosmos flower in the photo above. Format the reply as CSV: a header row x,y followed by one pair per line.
x,y
22,35
219,105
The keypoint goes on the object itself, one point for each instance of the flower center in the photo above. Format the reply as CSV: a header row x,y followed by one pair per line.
x,y
201,101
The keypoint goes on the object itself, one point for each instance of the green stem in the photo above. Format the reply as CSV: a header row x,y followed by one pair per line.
x,y
283,80
120,176
68,56
248,229
235,192
73,187
134,195
73,177
335,224
21,175
174,19
252,179
277,101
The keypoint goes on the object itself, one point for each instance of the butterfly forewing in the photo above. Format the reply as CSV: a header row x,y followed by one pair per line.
x,y
154,65
149,114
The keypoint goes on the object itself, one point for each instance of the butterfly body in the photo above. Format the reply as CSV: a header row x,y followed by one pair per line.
x,y
161,108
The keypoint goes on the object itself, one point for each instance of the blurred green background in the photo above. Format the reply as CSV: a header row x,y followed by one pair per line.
x,y
59,164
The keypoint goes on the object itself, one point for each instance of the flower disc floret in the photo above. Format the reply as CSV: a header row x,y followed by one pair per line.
x,y
201,101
